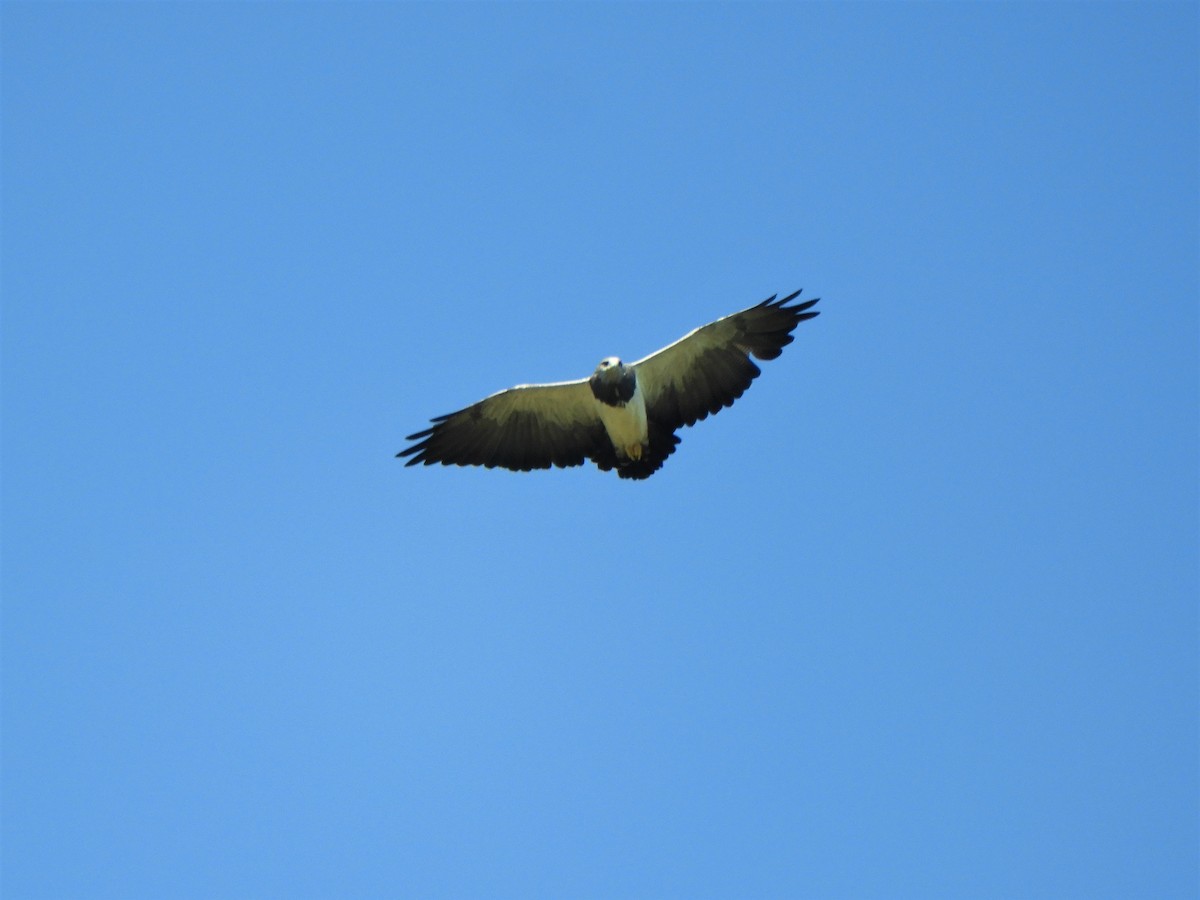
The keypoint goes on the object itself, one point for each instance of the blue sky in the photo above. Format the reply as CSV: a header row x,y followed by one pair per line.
x,y
916,618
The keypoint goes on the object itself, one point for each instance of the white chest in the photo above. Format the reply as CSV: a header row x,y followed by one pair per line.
x,y
626,425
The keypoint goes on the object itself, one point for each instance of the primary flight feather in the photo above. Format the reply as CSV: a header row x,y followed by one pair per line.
x,y
623,417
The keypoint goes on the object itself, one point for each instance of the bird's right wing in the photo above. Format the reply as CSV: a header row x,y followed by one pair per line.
x,y
532,426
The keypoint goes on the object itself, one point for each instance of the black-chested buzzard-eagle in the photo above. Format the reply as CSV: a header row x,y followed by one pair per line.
x,y
623,417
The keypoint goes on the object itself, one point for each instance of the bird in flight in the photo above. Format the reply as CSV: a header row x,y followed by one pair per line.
x,y
624,416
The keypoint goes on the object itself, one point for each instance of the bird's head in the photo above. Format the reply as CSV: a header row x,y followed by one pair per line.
x,y
610,370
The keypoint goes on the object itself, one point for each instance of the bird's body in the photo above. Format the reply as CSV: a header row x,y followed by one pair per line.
x,y
623,417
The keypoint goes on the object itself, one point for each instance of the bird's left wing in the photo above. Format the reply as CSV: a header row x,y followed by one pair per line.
x,y
709,368
532,426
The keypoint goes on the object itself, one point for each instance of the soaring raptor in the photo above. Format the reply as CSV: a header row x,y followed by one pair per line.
x,y
623,417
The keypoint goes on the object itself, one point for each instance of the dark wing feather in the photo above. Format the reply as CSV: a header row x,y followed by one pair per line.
x,y
710,367
533,426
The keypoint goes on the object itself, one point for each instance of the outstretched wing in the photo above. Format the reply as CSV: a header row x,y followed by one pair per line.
x,y
532,426
710,367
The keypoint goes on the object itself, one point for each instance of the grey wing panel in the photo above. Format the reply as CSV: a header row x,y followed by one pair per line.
x,y
711,367
523,428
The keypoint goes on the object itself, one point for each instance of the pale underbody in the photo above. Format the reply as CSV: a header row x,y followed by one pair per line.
x,y
626,424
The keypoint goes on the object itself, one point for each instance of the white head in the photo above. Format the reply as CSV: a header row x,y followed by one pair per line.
x,y
610,370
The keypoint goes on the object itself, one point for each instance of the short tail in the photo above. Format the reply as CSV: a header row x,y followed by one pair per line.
x,y
662,444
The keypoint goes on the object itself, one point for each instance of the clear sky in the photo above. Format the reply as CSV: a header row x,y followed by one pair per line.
x,y
917,617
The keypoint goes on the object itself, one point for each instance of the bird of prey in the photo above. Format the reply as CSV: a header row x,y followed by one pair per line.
x,y
624,416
